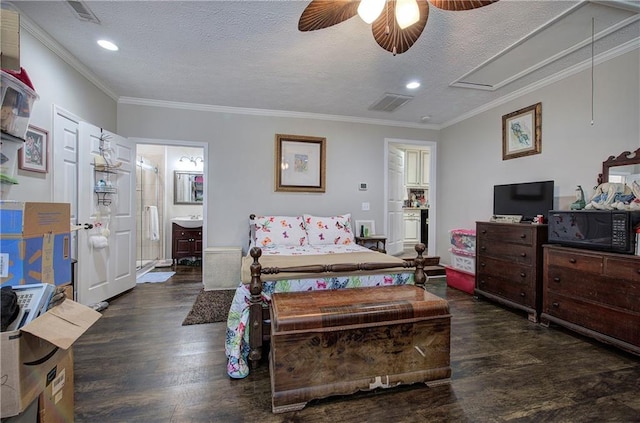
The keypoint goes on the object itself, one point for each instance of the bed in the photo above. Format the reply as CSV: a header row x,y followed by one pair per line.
x,y
302,253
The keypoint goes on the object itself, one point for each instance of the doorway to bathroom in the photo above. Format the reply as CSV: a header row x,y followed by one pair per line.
x,y
159,203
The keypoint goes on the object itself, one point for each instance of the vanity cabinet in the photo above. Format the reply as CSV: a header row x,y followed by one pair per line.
x,y
186,242
594,293
509,264
416,168
411,220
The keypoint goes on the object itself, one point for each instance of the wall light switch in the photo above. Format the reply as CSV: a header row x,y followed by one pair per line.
x,y
365,207
362,186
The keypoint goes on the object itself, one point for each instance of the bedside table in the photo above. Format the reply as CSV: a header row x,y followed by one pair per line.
x,y
373,242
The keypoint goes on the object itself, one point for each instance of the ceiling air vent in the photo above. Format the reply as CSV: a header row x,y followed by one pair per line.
x,y
82,11
390,102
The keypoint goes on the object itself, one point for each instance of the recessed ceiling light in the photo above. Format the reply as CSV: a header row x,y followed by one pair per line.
x,y
413,85
108,45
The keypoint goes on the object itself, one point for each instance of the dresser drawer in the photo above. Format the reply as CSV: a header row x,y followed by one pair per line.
x,y
517,273
506,233
514,290
612,322
514,253
591,263
612,292
623,268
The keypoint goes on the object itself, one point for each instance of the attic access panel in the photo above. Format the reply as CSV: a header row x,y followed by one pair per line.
x,y
556,39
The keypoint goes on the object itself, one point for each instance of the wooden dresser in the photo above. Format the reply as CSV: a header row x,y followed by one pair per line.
x,y
594,293
509,264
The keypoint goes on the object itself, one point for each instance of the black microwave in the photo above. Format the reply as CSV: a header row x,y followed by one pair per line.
x,y
604,230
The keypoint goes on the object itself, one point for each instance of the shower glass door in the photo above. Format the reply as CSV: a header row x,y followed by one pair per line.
x,y
149,215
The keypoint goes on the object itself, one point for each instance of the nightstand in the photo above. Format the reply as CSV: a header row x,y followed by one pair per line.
x,y
373,242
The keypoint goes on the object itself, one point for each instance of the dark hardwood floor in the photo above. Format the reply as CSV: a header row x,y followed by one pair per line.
x,y
138,364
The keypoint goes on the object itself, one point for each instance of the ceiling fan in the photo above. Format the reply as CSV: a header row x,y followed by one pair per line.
x,y
396,24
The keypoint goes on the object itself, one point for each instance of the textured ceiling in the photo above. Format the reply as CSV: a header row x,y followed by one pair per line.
x,y
250,54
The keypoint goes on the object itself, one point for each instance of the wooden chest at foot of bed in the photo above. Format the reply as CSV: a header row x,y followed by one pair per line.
x,y
339,342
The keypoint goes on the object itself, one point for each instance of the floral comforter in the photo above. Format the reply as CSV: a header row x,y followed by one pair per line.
x,y
237,337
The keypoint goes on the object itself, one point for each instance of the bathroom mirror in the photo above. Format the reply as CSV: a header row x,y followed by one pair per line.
x,y
188,187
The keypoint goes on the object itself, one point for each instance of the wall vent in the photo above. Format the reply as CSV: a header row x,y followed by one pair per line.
x,y
390,102
82,11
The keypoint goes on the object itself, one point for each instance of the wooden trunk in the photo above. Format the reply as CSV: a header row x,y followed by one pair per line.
x,y
327,343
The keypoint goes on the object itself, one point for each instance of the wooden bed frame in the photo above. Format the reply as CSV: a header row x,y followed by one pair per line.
x,y
259,329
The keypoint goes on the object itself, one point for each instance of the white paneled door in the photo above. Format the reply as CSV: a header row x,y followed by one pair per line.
x,y
395,198
106,248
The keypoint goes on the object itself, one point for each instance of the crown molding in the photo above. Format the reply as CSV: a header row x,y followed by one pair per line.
x,y
266,112
64,54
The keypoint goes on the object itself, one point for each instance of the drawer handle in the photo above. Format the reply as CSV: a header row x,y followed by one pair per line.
x,y
556,305
483,264
523,294
523,254
523,236
556,279
484,231
523,275
483,248
482,282
572,260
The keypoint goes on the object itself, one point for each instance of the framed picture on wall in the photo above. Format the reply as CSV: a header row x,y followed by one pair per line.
x,y
522,132
300,163
34,154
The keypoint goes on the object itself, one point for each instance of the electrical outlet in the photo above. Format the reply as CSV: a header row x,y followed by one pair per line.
x,y
365,206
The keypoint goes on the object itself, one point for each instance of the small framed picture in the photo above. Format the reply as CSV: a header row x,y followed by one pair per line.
x,y
522,132
34,154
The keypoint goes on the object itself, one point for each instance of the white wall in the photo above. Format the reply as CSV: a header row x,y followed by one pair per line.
x,y
470,152
241,158
56,83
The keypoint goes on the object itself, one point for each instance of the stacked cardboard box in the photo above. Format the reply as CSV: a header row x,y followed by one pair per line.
x,y
37,361
35,243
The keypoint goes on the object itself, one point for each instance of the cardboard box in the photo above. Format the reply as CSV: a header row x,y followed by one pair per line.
x,y
35,243
56,402
30,356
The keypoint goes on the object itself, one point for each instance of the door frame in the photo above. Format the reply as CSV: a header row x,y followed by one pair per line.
x,y
433,153
205,173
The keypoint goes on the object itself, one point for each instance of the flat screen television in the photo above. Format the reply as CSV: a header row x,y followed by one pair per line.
x,y
527,199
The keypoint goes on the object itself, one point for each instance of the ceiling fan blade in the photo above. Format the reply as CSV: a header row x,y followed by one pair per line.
x,y
321,14
460,4
397,41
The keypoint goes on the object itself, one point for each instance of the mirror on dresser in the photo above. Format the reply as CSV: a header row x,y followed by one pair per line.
x,y
188,187
625,168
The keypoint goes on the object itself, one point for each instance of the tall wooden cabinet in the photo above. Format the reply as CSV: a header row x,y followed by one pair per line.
x,y
593,293
509,264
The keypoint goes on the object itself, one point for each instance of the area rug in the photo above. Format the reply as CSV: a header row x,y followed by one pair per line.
x,y
210,307
155,277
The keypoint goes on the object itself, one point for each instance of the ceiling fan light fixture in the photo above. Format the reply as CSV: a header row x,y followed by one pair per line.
x,y
407,13
369,10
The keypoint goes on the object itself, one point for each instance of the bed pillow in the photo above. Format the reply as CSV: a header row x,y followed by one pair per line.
x,y
279,230
329,230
